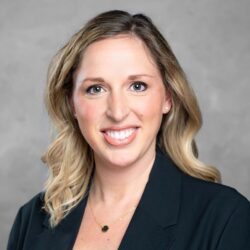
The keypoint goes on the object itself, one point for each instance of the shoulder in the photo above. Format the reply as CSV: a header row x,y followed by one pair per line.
x,y
37,201
210,192
29,217
32,209
197,193
218,205
216,210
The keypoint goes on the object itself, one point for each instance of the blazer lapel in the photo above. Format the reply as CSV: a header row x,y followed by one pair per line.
x,y
153,224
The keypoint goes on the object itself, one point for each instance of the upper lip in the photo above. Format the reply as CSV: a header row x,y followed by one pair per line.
x,y
117,128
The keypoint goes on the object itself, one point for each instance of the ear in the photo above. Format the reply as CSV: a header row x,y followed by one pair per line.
x,y
167,103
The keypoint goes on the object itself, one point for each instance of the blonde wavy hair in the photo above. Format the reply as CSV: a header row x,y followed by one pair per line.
x,y
69,157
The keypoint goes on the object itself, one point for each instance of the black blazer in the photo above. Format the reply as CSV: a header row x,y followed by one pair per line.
x,y
176,212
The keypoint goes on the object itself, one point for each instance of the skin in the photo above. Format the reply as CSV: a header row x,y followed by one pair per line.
x,y
116,101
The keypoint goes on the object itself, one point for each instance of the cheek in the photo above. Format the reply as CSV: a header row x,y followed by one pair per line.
x,y
149,108
87,118
86,113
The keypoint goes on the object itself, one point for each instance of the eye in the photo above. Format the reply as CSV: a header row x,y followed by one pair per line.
x,y
95,89
138,86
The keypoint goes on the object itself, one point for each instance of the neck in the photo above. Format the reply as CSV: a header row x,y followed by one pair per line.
x,y
123,184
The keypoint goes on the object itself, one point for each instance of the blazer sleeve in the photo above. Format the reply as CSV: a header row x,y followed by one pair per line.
x,y
236,233
16,236
27,215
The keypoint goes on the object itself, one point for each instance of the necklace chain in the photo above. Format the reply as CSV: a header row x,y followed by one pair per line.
x,y
105,227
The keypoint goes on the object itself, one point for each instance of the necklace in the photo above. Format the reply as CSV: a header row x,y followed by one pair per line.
x,y
105,227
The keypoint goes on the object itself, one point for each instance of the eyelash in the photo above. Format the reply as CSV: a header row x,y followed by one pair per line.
x,y
91,88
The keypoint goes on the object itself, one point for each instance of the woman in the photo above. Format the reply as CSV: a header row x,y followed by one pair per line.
x,y
124,172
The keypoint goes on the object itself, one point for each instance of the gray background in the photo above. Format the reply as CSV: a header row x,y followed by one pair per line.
x,y
210,38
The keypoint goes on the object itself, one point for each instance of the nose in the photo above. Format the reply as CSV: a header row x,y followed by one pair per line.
x,y
118,108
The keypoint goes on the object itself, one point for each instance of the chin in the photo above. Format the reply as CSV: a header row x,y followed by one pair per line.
x,y
119,159
122,160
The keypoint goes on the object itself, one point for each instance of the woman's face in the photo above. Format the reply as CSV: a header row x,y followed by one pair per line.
x,y
118,100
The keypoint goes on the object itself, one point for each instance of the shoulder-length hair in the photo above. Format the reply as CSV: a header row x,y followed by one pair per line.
x,y
69,157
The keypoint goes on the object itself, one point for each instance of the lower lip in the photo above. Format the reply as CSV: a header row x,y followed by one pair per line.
x,y
123,142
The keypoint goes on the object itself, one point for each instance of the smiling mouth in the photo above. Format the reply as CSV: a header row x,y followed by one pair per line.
x,y
120,137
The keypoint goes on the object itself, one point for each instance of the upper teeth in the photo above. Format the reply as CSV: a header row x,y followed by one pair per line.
x,y
120,135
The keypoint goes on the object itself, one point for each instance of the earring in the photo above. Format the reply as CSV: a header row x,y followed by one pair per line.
x,y
166,109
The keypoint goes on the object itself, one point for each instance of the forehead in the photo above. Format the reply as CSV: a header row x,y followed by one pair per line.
x,y
121,51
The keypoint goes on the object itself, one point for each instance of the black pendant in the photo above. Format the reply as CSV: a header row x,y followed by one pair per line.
x,y
105,228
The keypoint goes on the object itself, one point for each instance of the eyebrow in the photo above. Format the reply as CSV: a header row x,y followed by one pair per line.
x,y
100,79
